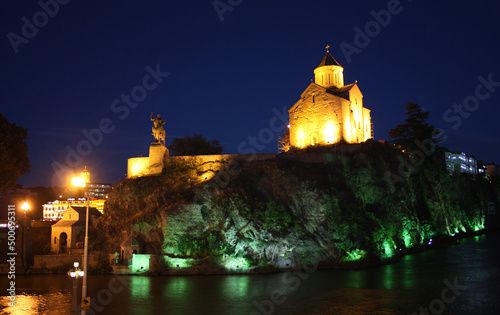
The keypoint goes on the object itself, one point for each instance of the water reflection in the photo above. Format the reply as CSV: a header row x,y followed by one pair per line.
x,y
235,288
176,287
51,303
140,294
413,282
140,287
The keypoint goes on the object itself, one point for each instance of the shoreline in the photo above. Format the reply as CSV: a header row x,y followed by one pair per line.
x,y
205,269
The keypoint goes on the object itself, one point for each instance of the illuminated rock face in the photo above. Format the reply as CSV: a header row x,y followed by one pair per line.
x,y
329,111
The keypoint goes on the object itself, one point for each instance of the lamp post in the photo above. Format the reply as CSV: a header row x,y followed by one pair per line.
x,y
75,274
81,182
26,207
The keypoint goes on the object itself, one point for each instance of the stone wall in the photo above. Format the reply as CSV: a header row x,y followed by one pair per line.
x,y
53,262
142,166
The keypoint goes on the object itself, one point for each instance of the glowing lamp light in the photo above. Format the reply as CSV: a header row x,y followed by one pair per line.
x,y
301,139
25,206
329,133
78,182
76,274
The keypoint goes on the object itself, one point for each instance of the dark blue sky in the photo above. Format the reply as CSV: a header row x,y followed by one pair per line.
x,y
228,71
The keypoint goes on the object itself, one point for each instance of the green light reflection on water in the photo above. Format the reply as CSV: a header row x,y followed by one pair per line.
x,y
236,287
140,286
176,287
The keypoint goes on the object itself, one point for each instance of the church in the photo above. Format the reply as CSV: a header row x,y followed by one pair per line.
x,y
328,111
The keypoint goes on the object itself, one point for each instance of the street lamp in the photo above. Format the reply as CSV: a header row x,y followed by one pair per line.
x,y
26,207
75,274
81,182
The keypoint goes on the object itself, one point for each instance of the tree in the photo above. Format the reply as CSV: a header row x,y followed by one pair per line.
x,y
415,129
14,160
195,145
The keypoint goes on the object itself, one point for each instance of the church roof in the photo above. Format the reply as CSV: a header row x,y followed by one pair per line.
x,y
130,241
328,60
68,223
82,210
342,91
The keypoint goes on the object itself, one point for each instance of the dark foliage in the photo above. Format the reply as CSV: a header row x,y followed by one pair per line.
x,y
414,129
195,145
14,160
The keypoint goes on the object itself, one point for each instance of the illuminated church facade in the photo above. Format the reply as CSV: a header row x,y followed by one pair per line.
x,y
328,111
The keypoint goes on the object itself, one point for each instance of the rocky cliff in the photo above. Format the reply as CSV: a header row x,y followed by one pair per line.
x,y
335,206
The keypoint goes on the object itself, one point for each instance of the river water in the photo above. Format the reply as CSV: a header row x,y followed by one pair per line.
x,y
461,279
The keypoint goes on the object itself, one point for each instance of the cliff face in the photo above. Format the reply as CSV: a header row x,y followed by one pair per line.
x,y
331,207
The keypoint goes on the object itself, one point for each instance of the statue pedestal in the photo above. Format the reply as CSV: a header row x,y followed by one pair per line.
x,y
157,155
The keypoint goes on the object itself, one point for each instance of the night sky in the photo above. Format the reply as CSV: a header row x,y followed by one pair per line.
x,y
230,72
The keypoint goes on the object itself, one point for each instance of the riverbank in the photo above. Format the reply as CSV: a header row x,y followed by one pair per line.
x,y
152,265
413,283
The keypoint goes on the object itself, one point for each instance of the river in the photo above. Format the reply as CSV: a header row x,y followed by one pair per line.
x,y
460,279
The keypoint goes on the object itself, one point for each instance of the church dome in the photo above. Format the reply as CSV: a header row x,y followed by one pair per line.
x,y
328,60
329,72
85,175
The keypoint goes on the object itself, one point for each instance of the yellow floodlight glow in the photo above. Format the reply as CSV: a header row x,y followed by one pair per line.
x,y
25,206
329,133
78,181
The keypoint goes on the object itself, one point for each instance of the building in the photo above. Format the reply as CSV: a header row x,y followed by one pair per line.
x,y
96,190
130,247
329,111
492,169
67,234
459,162
54,210
98,195
99,190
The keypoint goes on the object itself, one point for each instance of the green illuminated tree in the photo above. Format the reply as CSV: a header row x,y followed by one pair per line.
x,y
414,129
195,145
14,160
